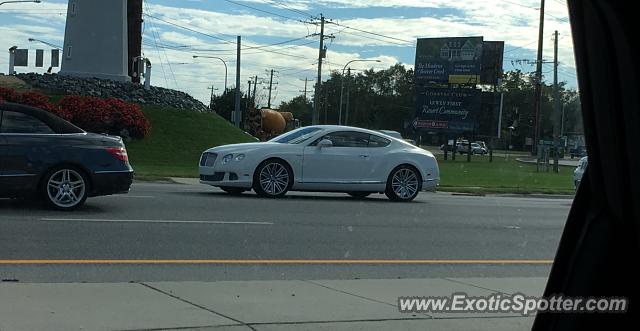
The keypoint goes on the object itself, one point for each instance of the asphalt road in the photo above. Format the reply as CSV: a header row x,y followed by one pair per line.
x,y
195,222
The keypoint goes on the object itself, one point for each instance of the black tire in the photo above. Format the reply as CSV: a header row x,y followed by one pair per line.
x,y
359,195
233,190
65,188
277,173
411,189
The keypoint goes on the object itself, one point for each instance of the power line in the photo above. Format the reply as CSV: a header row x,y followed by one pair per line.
x,y
190,29
284,6
157,37
373,38
217,38
371,33
519,47
262,10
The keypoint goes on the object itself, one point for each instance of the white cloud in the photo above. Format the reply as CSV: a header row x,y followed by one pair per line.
x,y
505,20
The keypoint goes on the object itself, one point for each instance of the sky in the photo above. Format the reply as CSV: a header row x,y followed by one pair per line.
x,y
281,35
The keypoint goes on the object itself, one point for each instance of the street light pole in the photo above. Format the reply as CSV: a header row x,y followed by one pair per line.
x,y
20,1
342,85
223,62
511,128
44,42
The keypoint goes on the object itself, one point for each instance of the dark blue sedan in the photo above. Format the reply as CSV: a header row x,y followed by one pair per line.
x,y
44,155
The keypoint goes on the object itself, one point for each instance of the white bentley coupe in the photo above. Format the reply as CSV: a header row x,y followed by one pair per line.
x,y
326,158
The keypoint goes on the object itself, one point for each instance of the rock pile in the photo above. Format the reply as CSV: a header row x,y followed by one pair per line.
x,y
128,92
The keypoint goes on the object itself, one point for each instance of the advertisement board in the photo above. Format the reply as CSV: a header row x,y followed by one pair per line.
x,y
492,57
454,60
447,109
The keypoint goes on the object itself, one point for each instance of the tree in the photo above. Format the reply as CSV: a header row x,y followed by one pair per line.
x,y
518,89
300,107
225,103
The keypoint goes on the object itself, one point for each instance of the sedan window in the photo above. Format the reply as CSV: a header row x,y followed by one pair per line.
x,y
15,122
348,139
377,141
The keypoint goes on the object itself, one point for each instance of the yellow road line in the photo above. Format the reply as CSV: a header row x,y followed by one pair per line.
x,y
223,261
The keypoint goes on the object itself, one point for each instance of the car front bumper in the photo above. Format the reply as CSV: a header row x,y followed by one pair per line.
x,y
430,184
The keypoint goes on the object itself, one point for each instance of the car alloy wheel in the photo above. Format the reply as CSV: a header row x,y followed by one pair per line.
x,y
66,189
273,179
404,184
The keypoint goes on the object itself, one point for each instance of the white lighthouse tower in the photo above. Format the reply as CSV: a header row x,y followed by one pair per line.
x,y
95,40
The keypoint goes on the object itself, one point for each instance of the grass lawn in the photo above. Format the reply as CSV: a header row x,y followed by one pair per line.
x,y
176,141
501,176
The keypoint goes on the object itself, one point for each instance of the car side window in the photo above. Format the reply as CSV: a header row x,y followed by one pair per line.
x,y
377,141
15,122
347,139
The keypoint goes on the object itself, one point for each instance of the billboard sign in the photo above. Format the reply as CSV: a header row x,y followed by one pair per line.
x,y
447,109
448,60
492,57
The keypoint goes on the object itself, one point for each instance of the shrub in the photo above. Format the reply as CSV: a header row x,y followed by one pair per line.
x,y
8,94
111,115
94,114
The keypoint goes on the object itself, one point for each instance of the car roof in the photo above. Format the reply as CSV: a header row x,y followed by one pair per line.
x,y
57,124
345,128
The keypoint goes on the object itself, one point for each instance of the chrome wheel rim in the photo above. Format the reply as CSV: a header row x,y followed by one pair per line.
x,y
405,183
274,178
66,188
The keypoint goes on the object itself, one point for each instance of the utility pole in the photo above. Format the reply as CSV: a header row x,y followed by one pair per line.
x,y
255,84
346,115
134,37
562,122
538,88
211,99
305,88
270,86
238,114
249,90
321,55
556,103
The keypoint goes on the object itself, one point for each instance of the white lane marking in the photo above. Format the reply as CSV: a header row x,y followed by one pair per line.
x,y
47,219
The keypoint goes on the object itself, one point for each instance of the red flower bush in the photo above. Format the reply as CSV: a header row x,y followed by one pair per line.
x,y
111,115
8,94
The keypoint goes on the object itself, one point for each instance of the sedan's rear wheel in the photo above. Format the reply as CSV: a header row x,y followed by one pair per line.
x,y
272,179
65,188
403,184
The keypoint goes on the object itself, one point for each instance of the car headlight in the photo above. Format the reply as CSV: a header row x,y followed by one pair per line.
x,y
239,157
227,158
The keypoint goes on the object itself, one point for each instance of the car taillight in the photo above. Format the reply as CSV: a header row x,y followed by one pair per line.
x,y
119,153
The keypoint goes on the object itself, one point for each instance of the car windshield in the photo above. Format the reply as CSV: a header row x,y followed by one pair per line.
x,y
296,136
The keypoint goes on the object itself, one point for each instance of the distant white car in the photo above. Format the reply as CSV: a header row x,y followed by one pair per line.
x,y
323,158
577,174
475,148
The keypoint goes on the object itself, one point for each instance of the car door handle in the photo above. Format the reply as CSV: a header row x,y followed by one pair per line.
x,y
364,156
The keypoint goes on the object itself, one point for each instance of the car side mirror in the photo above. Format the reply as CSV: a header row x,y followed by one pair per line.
x,y
325,143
